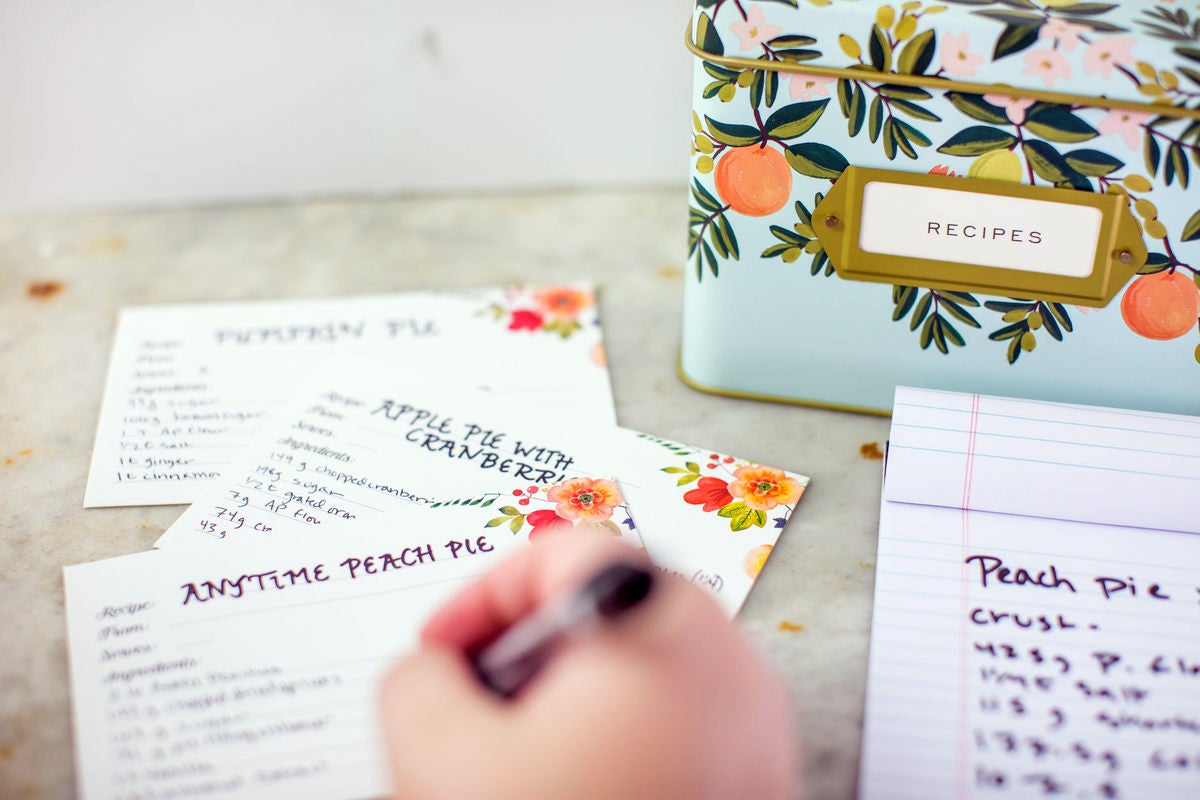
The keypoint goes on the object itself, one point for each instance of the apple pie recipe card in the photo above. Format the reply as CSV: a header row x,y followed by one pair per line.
x,y
252,670
365,442
188,384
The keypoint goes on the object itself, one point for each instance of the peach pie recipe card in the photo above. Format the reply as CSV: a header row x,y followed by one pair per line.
x,y
363,443
188,384
252,671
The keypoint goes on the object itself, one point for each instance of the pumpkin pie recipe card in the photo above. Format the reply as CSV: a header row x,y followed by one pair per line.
x,y
366,442
189,384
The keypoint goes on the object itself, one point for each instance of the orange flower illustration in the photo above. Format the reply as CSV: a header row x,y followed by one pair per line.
x,y
562,302
763,488
589,499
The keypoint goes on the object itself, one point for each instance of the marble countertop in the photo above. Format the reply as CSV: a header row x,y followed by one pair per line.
x,y
64,275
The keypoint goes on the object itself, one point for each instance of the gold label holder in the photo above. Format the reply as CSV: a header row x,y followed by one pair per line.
x,y
869,239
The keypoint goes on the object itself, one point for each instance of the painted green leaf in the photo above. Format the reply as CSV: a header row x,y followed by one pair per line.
x,y
516,524
741,516
914,110
917,53
889,138
780,42
1015,38
1059,312
1057,124
1093,162
724,74
794,120
816,160
858,112
875,124
709,258
494,521
707,38
880,49
1046,161
912,134
845,94
1008,331
509,510
1176,166
975,107
1152,153
1191,231
725,228
977,140
1089,9
731,134
686,479
704,197
904,298
891,90
922,310
1014,17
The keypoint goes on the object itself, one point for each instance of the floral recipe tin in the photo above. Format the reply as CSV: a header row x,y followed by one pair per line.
x,y
982,195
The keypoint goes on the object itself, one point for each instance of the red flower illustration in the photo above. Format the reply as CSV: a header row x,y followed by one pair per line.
x,y
712,493
525,320
546,521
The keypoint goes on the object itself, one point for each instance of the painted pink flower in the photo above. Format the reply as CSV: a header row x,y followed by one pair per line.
x,y
525,320
545,522
711,493
1049,64
1066,34
1013,106
806,87
957,58
1105,54
1126,124
588,499
755,30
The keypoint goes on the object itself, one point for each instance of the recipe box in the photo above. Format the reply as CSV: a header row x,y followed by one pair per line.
x,y
996,197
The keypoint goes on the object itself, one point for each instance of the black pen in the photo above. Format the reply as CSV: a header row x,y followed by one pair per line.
x,y
507,662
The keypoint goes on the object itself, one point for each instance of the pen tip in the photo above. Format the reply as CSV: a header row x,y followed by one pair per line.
x,y
619,588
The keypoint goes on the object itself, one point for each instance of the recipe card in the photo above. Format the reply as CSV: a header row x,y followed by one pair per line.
x,y
1044,646
253,670
189,384
364,442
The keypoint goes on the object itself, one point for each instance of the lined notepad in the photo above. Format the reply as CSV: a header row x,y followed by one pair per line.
x,y
1037,607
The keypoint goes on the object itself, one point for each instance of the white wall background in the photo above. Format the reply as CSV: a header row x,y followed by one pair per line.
x,y
143,102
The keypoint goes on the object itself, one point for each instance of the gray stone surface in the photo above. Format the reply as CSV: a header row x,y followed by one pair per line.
x,y
810,610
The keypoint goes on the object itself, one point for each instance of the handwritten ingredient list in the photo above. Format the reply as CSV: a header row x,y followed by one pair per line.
x,y
1032,654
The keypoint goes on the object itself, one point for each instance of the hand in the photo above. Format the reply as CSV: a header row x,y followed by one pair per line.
x,y
666,701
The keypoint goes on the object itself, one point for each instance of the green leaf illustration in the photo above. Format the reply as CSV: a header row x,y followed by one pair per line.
x,y
794,120
707,38
1092,163
816,160
517,523
741,516
1015,38
977,140
1191,230
731,134
880,49
975,107
917,53
1057,124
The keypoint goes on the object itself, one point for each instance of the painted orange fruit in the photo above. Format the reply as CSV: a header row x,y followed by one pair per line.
x,y
754,180
753,561
1162,305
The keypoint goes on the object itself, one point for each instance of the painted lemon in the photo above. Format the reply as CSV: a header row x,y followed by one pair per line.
x,y
998,165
